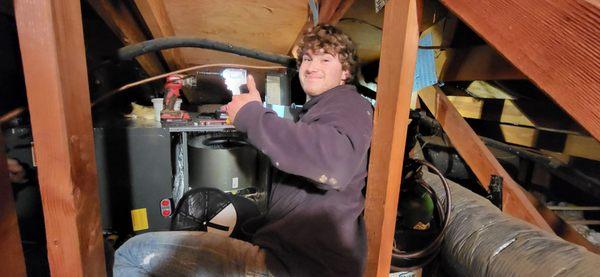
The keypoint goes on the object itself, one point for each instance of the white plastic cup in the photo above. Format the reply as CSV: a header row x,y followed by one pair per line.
x,y
158,106
177,104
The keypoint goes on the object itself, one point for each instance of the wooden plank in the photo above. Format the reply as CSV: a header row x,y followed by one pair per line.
x,y
341,11
59,104
516,201
327,9
120,20
538,110
396,71
331,11
266,25
11,257
554,43
499,110
157,20
565,143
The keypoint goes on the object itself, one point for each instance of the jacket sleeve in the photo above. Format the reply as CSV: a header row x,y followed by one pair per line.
x,y
327,150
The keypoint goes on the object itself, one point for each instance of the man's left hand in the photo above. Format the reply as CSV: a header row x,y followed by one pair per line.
x,y
238,101
16,172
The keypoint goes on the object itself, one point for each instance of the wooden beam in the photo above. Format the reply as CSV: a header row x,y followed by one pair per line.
x,y
11,257
327,8
479,62
475,63
565,143
497,110
516,201
396,70
156,18
59,104
331,11
554,43
495,102
536,113
477,156
120,20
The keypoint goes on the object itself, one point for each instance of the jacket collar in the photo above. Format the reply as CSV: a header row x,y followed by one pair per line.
x,y
314,100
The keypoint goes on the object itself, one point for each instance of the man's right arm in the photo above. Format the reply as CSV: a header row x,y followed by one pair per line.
x,y
327,151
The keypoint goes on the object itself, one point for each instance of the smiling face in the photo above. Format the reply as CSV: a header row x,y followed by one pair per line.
x,y
320,72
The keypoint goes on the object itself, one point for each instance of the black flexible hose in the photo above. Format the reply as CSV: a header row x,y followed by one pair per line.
x,y
131,51
428,253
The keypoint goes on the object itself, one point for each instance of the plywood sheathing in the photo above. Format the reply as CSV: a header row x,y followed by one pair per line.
x,y
269,26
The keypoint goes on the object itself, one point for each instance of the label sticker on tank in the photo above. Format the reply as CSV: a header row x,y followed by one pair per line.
x,y
234,182
139,219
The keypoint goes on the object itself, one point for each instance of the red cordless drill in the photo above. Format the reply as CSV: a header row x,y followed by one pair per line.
x,y
171,94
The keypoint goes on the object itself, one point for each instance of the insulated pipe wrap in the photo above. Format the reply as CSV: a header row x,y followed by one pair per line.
x,y
482,241
131,51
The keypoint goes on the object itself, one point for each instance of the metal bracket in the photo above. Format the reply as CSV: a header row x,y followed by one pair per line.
x,y
495,191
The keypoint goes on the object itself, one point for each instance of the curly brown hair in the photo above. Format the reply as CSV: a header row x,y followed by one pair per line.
x,y
333,42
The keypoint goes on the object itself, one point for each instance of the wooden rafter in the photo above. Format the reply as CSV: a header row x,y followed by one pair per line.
x,y
59,104
498,110
563,143
11,256
331,11
516,201
398,57
554,43
157,20
120,20
541,115
465,64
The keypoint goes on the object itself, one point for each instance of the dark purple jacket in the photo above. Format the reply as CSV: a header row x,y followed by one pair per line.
x,y
314,226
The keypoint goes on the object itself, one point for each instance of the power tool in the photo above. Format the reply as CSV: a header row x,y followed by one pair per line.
x,y
173,85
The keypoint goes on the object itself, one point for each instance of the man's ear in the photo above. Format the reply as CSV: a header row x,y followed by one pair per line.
x,y
345,75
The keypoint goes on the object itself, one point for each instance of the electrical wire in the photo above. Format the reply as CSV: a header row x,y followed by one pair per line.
x,y
361,21
12,114
147,80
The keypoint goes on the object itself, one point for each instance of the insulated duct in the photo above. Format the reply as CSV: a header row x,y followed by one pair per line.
x,y
482,241
131,51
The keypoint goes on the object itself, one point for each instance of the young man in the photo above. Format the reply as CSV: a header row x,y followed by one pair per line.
x,y
314,225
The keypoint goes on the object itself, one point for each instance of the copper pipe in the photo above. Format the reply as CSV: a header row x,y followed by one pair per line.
x,y
12,114
141,82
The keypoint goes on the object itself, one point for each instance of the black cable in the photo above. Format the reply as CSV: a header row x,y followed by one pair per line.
x,y
361,21
434,247
131,51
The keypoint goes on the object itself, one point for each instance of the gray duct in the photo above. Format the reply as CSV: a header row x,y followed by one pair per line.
x,y
482,241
